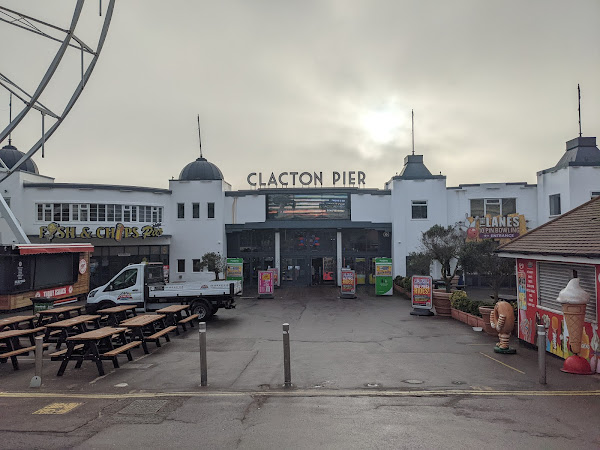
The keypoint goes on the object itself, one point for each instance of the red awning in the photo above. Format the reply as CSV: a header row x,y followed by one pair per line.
x,y
34,249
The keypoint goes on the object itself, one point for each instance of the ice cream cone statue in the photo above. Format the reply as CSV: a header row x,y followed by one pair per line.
x,y
574,300
502,319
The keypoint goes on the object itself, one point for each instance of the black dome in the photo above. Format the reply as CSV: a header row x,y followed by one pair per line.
x,y
10,155
200,169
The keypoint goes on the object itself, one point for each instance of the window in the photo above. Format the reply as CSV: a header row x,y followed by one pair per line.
x,y
481,207
157,214
419,209
125,280
196,210
555,205
196,265
181,265
180,210
211,210
594,194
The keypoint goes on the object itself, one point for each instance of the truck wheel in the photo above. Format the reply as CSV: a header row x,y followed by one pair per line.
x,y
203,310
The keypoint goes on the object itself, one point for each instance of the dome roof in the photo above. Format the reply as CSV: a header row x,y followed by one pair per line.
x,y
200,169
10,155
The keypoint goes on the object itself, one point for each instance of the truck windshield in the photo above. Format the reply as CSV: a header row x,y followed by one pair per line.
x,y
154,275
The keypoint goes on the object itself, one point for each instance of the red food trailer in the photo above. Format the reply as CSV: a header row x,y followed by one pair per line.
x,y
57,271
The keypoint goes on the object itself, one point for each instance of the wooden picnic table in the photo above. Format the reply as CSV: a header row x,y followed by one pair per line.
x,y
14,322
174,316
13,346
144,329
96,345
116,314
56,314
68,327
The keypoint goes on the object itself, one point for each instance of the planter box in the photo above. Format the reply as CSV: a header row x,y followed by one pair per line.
x,y
401,291
467,318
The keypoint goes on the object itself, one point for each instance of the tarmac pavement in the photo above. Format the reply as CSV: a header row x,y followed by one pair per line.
x,y
365,374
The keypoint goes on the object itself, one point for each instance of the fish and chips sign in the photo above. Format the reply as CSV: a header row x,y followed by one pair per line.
x,y
117,232
503,228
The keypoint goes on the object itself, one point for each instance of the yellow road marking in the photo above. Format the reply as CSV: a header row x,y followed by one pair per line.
x,y
500,362
302,393
57,408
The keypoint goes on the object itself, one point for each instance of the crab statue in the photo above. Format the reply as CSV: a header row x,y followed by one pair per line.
x,y
502,319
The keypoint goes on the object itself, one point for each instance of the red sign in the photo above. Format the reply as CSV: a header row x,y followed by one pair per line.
x,y
265,282
55,292
422,291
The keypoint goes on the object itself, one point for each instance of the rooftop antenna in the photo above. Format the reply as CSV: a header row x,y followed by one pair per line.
x,y
10,118
199,137
412,111
579,107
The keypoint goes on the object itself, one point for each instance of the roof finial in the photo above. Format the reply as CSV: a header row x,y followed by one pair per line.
x,y
199,137
579,107
412,111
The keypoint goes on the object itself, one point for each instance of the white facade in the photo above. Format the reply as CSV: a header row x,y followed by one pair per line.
x,y
409,204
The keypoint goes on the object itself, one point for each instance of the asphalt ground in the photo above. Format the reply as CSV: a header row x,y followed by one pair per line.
x,y
365,374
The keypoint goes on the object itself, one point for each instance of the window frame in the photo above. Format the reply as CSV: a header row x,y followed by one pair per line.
x,y
208,210
181,210
180,265
195,210
553,205
417,205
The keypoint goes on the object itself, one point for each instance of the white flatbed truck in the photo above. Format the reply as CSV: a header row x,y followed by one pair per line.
x,y
143,285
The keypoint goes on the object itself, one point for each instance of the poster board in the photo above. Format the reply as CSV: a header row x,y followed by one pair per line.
x,y
348,286
384,283
265,284
422,292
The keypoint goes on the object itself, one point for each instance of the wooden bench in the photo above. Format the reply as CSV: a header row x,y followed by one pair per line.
x,y
56,355
112,354
189,319
164,332
20,351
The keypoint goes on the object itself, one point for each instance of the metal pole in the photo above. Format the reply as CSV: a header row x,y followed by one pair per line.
x,y
287,372
203,371
541,335
36,381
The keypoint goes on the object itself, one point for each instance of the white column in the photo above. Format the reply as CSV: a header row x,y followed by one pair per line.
x,y
339,258
278,257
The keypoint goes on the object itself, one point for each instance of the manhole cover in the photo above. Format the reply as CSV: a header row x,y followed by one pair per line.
x,y
137,366
413,381
139,407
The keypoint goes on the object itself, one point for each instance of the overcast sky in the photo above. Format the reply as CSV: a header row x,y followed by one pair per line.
x,y
314,86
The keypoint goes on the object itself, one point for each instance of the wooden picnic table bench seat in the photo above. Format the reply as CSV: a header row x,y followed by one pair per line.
x,y
164,332
55,356
189,319
126,348
20,351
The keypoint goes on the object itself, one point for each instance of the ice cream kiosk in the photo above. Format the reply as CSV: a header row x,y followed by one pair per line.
x,y
558,285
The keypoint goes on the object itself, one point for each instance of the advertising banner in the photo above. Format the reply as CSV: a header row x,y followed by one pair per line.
x,y
235,269
348,289
422,291
502,228
265,284
384,283
275,273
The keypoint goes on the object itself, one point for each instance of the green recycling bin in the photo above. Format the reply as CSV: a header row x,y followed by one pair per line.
x,y
42,303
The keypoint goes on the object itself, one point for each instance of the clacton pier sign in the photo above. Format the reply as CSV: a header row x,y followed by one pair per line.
x,y
292,179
